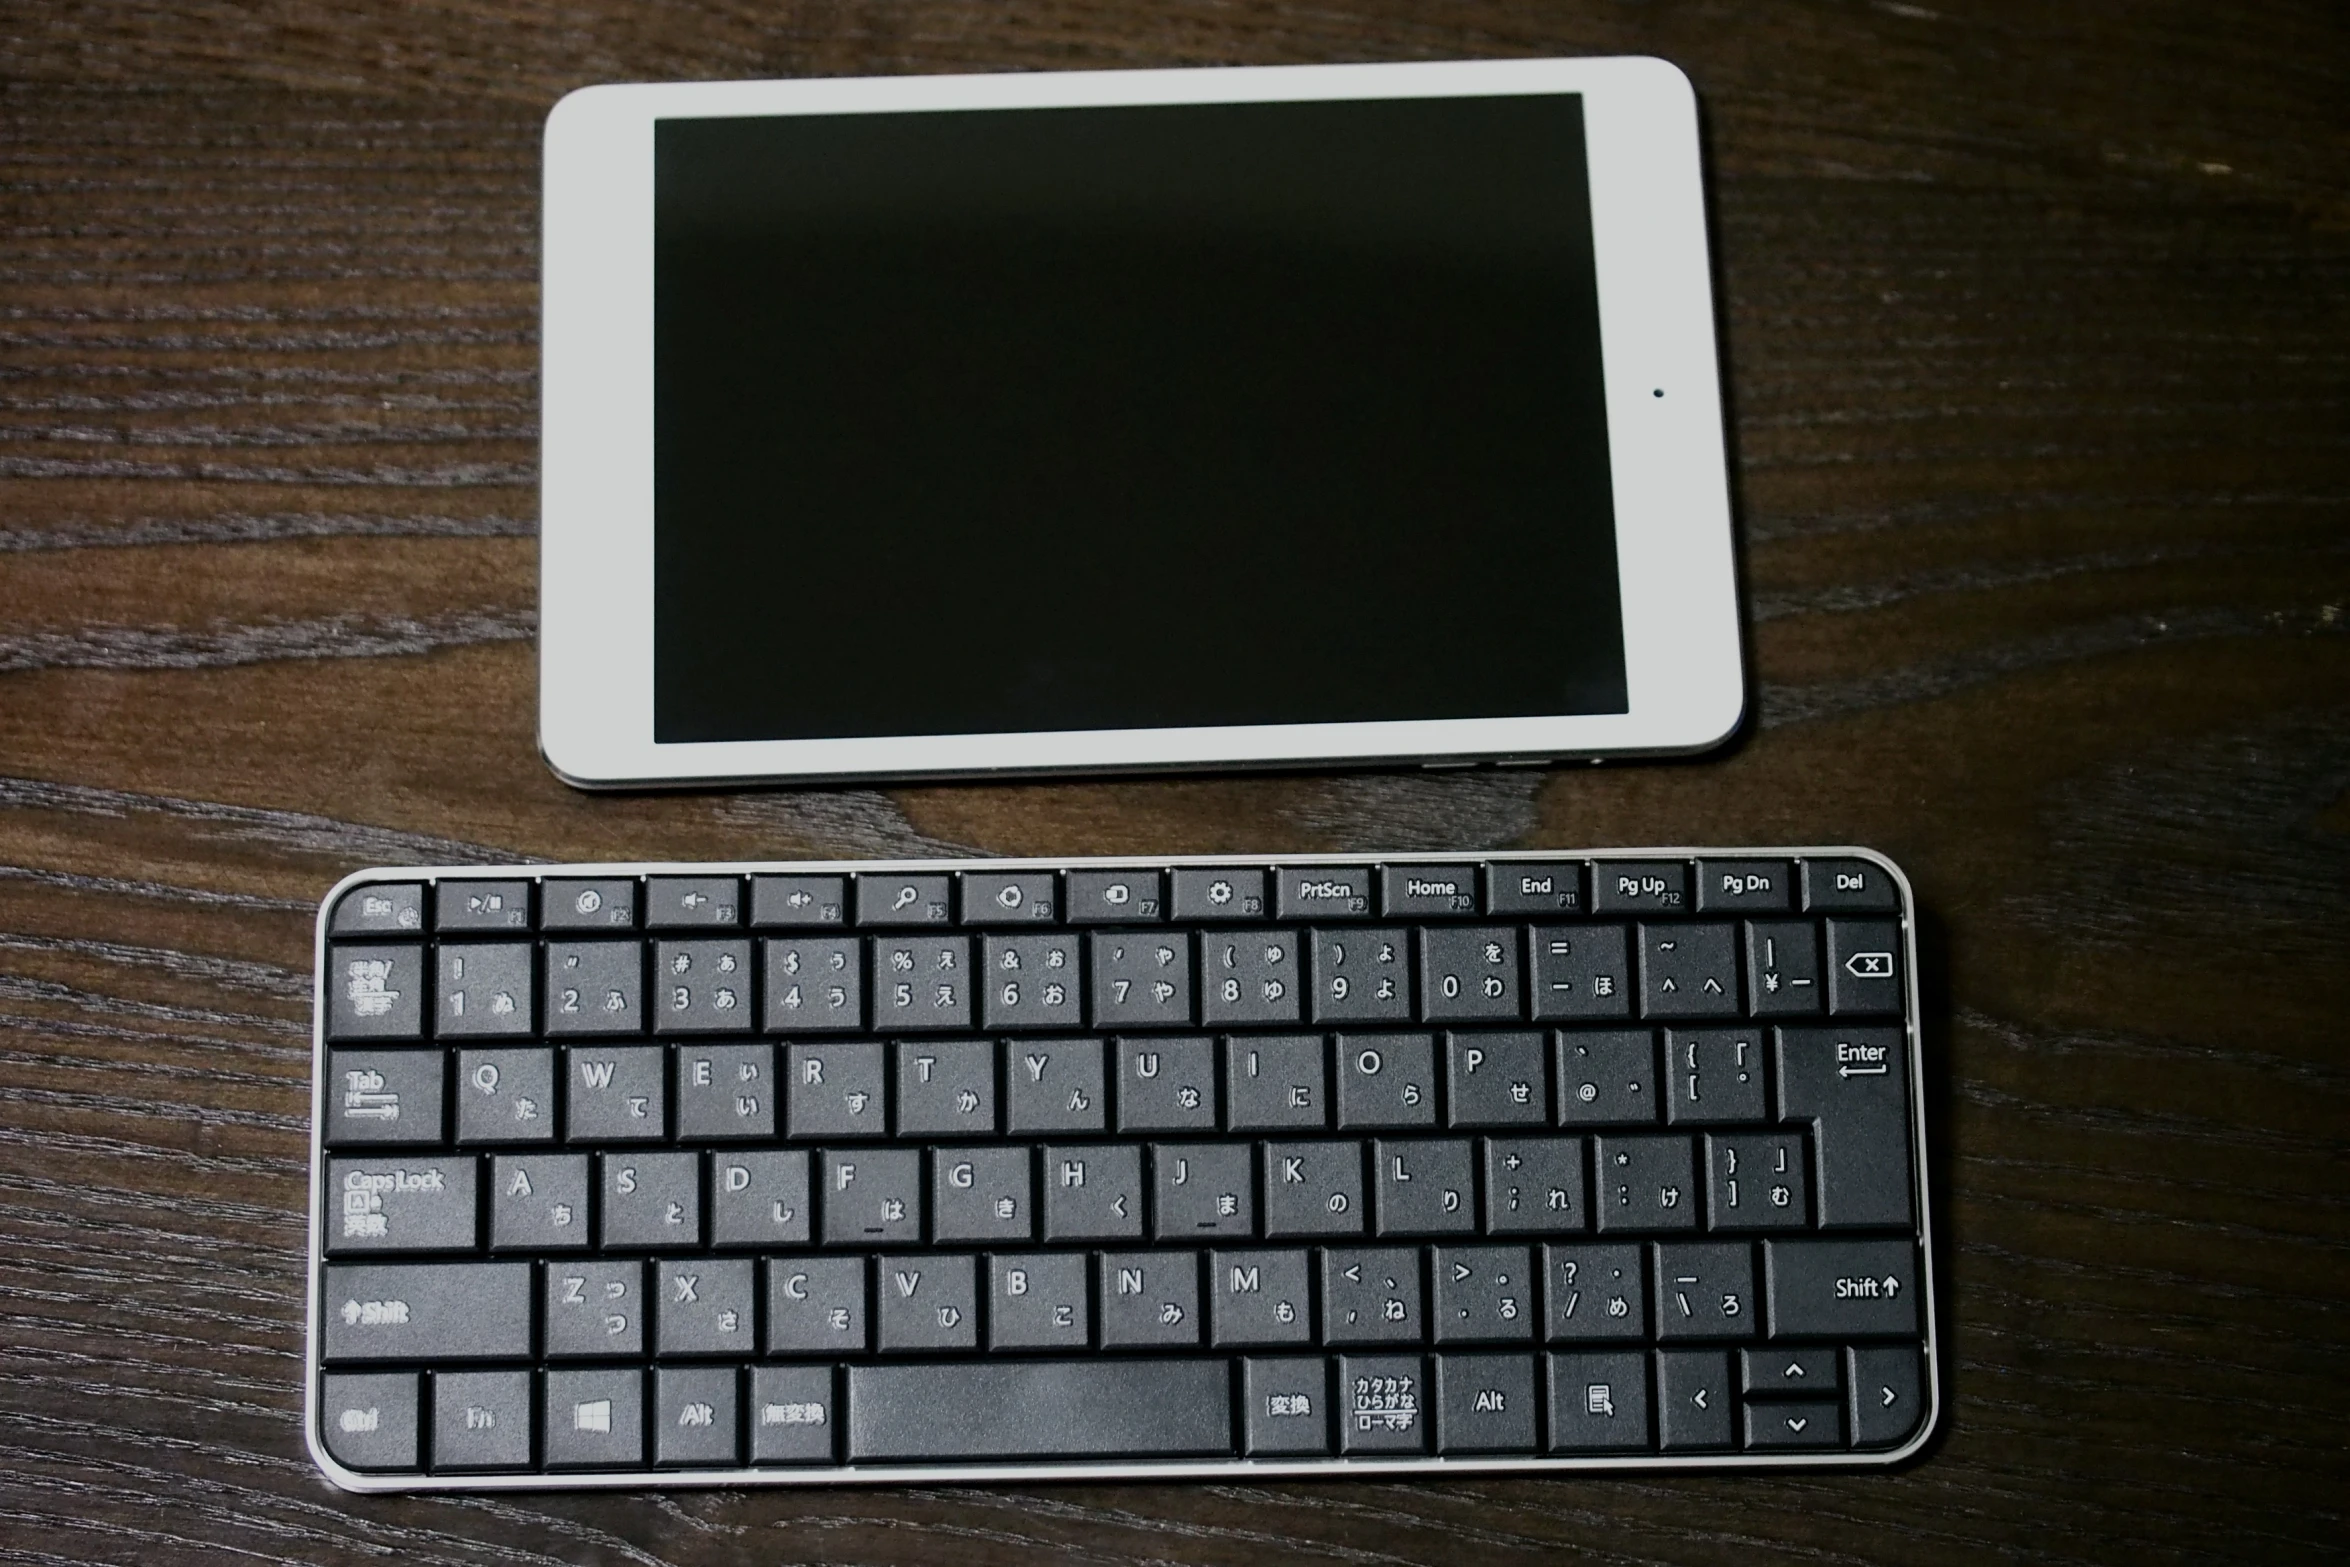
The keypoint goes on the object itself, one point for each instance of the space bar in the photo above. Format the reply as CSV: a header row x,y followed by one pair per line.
x,y
1041,1409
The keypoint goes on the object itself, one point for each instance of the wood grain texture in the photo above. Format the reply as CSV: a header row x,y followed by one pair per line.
x,y
2038,337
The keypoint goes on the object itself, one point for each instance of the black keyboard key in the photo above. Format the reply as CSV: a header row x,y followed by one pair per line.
x,y
481,1420
1849,887
1841,1289
1696,1411
793,1415
1534,1186
1481,1294
375,992
1322,892
725,1092
1259,1298
482,988
702,987
1771,1425
369,1419
1033,981
382,908
594,987
1115,897
921,982
1783,969
1010,898
1799,1372
606,904
1756,1181
1148,1299
707,1306
871,1196
1092,1193
400,1204
1383,1404
1640,887
1539,887
383,1096
1039,1300
1053,1085
539,1202
1607,1079
1424,1187
1864,968
1745,886
1497,1079
650,1199
815,984
1705,1291
1579,972
1275,1082
1469,974
981,1195
594,1419
1598,1402
760,1199
1141,979
799,900
816,1306
904,899
834,1091
1714,1074
481,906
929,1302
1251,976
616,1093
1285,1407
1385,1080
1107,1408
423,1311
946,1088
596,1309
694,1423
1852,1085
1218,893
1688,971
1202,1192
1426,891
1360,975
1644,1184
1485,1404
693,902
1312,1188
1887,1400
1594,1292
1166,1085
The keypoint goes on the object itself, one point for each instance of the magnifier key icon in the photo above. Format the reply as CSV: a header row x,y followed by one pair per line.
x,y
905,898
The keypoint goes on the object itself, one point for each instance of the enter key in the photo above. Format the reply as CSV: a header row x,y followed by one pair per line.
x,y
1852,1085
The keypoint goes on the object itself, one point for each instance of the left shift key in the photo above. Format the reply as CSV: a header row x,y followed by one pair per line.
x,y
401,1204
426,1311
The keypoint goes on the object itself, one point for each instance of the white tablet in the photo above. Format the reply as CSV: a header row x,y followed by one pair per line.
x,y
980,425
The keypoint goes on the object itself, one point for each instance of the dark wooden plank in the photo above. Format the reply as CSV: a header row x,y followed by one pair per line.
x,y
2038,329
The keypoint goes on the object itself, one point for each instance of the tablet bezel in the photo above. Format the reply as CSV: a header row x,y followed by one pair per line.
x,y
1684,673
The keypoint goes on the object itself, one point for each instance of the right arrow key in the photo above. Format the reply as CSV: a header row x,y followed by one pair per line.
x,y
1887,1395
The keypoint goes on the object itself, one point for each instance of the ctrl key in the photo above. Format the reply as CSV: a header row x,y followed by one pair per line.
x,y
369,1421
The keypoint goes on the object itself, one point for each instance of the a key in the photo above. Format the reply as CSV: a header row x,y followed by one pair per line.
x,y
1038,1301
1148,1299
1383,1404
481,1420
1312,1188
759,1198
376,1097
921,982
694,1423
375,992
1535,887
1481,1294
793,1415
1688,971
1114,897
1202,1191
1424,891
1644,1183
587,905
872,1196
1534,1186
1841,1289
1783,969
596,1309
1469,974
1745,886
1054,1085
816,1306
1695,1409
1285,1406
483,988
1598,1402
1424,1187
834,1091
1607,1079
1218,893
1252,976
1594,1292
1371,1295
481,905
368,1419
1579,973
1275,1082
594,1419
1705,1291
702,987
1360,975
1755,1181
799,901
539,1202
1259,1298
725,1091
1714,1074
1385,1080
382,908
815,984
400,1204
616,1093
1852,1085
426,1311
1107,1408
692,902
929,1301
981,1195
1497,1079
1166,1085
946,1089
650,1199
1010,898
706,1307
904,899
1032,981
1485,1403
1140,979
505,1096
1321,892
1092,1193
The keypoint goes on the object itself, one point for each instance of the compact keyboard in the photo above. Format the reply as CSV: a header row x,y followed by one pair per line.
x,y
752,1174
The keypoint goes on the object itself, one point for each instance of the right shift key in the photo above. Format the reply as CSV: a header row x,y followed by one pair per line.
x,y
1852,1084
1841,1289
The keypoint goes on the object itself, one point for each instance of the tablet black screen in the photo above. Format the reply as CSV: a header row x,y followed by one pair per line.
x,y
1103,418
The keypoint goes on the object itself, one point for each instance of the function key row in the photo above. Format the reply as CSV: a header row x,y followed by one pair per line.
x,y
1120,896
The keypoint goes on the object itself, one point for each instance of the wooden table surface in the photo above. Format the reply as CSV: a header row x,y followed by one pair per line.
x,y
2038,326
